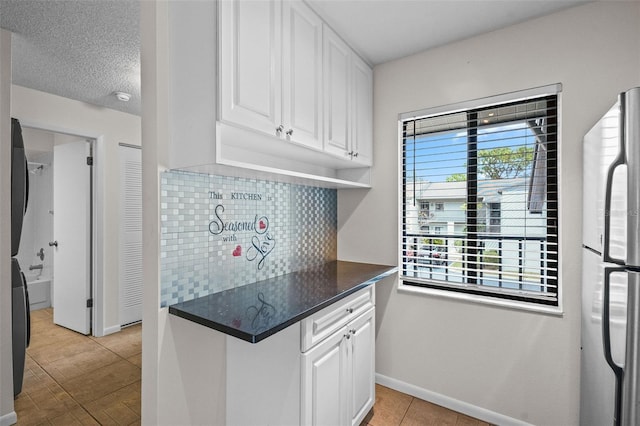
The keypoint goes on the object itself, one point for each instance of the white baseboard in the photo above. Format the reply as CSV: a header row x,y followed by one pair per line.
x,y
109,330
448,402
9,419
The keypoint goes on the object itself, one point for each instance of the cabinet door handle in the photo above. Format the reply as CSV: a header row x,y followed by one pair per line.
x,y
349,310
289,132
348,336
355,154
352,331
349,154
279,129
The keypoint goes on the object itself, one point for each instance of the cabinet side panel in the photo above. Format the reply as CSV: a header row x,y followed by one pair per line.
x,y
192,90
263,380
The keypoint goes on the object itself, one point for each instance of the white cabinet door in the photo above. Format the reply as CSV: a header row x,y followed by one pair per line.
x,y
362,362
337,75
325,383
362,112
302,74
250,55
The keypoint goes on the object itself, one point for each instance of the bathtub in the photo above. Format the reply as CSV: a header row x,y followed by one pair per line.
x,y
39,292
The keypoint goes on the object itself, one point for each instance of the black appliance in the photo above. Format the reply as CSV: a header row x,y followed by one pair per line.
x,y
21,325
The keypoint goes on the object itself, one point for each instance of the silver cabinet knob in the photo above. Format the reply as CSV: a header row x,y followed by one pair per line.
x,y
355,154
279,129
53,244
289,132
348,336
349,310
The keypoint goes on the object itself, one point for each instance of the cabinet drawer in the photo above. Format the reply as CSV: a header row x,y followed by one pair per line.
x,y
323,323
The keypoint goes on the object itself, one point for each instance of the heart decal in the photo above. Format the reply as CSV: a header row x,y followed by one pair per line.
x,y
262,225
237,251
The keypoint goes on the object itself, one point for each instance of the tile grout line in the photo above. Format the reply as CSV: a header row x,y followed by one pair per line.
x,y
407,410
65,391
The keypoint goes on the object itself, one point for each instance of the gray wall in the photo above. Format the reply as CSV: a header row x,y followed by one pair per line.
x,y
518,364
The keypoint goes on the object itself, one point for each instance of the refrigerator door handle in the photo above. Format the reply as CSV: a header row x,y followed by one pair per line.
x,y
619,161
606,343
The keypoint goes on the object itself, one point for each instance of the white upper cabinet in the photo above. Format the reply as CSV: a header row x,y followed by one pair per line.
x,y
271,68
362,110
302,74
250,64
348,101
337,76
293,99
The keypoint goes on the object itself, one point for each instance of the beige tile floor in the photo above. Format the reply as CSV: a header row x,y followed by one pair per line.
x,y
71,379
393,408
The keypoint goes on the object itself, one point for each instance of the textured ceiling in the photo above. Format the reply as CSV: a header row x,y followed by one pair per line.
x,y
89,49
83,50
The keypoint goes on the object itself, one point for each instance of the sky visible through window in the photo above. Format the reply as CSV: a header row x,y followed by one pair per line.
x,y
441,155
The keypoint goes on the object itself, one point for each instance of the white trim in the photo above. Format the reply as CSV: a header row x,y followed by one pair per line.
x,y
520,95
98,172
110,330
98,197
9,419
481,299
448,402
38,125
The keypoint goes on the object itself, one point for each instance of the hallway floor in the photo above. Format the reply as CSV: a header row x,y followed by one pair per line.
x,y
71,379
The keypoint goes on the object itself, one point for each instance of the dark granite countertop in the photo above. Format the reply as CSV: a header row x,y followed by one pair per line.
x,y
255,311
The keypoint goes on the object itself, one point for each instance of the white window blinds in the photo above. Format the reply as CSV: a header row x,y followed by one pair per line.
x,y
480,200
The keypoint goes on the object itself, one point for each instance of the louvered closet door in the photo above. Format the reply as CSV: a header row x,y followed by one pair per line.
x,y
130,234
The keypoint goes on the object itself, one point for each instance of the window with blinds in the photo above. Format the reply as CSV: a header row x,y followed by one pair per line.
x,y
480,200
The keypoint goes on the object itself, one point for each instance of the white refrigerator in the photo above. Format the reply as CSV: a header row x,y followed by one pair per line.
x,y
610,337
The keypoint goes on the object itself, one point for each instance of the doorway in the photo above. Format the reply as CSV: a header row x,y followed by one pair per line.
x,y
62,238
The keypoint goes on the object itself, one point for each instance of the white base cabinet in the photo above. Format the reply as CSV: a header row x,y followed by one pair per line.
x,y
362,363
338,375
338,383
320,373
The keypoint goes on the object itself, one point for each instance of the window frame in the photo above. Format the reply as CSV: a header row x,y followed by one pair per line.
x,y
471,292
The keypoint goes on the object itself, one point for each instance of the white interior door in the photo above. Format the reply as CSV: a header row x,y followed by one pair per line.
x,y
72,232
130,235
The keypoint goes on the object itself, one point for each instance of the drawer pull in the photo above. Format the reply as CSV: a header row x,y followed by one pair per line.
x,y
350,310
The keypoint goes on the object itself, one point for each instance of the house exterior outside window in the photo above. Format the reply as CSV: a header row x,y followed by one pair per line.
x,y
473,174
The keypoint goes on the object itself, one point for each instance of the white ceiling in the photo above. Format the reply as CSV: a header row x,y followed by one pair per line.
x,y
88,49
384,30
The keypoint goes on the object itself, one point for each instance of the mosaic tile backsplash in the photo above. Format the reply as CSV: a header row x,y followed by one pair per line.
x,y
221,232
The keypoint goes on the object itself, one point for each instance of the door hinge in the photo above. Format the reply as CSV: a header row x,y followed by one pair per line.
x,y
89,303
89,161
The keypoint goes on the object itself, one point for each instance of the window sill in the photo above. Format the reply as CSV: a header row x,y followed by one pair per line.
x,y
480,299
